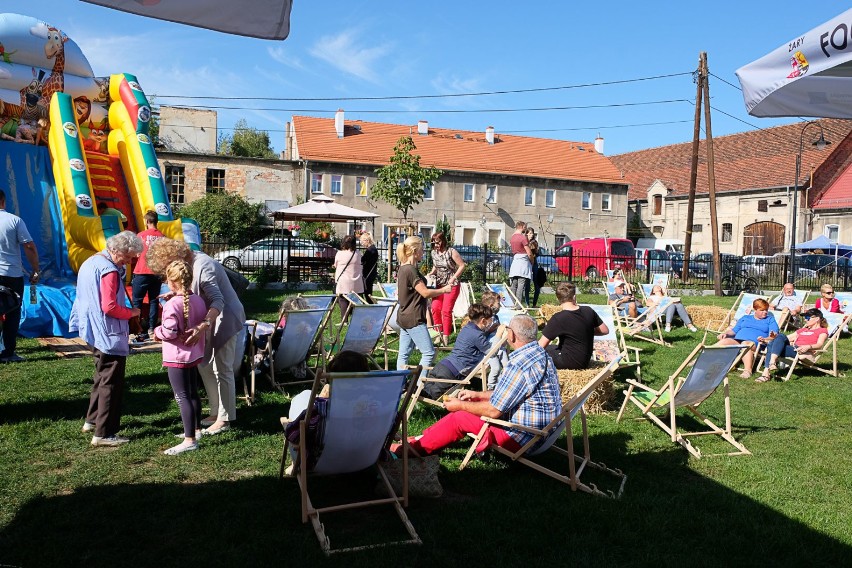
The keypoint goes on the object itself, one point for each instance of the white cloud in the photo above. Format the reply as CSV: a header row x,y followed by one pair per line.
x,y
455,85
343,52
280,55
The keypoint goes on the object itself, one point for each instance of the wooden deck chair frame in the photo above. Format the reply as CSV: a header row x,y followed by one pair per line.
x,y
744,301
548,437
480,369
667,397
250,379
505,292
322,301
360,343
297,330
399,424
629,353
830,346
649,320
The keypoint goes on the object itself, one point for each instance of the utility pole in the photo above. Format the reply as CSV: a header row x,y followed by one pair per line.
x,y
711,179
693,174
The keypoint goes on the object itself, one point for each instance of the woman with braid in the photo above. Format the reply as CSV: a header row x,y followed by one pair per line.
x,y
183,311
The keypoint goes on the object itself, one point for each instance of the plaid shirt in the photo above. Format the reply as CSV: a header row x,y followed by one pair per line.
x,y
523,395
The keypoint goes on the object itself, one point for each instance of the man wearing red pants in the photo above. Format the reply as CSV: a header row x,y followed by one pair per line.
x,y
527,394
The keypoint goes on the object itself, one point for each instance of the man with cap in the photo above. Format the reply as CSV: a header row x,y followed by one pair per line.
x,y
625,303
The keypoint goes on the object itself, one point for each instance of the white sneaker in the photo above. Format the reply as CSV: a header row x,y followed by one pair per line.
x,y
88,427
110,441
692,328
181,448
668,328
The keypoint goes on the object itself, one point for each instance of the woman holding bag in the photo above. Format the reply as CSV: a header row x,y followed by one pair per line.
x,y
348,274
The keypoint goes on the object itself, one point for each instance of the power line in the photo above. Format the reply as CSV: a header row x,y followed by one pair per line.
x,y
409,97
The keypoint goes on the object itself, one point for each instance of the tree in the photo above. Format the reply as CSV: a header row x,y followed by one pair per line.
x,y
226,216
246,141
402,181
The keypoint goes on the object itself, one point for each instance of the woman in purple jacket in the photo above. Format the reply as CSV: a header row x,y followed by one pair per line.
x,y
183,311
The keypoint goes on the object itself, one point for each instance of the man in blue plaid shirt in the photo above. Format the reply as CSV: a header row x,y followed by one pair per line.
x,y
527,394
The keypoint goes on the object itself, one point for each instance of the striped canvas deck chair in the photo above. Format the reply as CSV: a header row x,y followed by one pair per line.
x,y
361,418
480,370
545,440
300,336
823,360
367,326
608,347
322,302
708,368
648,325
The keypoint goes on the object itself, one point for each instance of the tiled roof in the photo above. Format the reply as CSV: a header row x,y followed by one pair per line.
x,y
372,143
751,160
838,194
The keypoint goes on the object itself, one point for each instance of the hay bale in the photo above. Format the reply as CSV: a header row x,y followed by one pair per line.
x,y
570,382
547,311
703,316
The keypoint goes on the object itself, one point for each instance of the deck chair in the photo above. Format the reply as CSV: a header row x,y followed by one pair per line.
x,y
544,440
708,368
742,306
608,347
300,337
836,323
465,300
480,370
364,413
648,321
367,326
509,301
389,290
845,300
255,354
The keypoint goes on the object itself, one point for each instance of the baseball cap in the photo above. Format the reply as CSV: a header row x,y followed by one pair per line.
x,y
812,312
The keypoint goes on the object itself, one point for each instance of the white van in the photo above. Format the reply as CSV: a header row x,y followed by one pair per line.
x,y
669,245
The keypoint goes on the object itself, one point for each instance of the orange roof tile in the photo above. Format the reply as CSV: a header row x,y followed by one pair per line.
x,y
454,150
750,160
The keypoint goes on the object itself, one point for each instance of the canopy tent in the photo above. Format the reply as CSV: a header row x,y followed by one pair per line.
x,y
828,247
264,19
322,209
809,76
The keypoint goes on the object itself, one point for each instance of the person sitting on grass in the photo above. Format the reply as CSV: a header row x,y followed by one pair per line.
x,y
654,298
804,342
752,330
527,394
471,346
575,326
623,301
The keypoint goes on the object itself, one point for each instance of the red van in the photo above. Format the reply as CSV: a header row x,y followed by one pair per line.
x,y
592,257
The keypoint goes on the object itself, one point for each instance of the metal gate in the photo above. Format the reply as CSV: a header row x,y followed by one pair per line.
x,y
765,237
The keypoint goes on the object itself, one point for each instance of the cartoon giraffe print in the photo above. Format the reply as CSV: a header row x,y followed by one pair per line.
x,y
54,49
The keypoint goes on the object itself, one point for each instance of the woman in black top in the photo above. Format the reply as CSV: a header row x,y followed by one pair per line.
x,y
369,264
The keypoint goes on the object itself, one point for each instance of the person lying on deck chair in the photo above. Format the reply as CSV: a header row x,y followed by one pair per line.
x,y
527,394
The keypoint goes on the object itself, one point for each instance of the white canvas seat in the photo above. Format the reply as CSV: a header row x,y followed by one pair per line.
x,y
367,326
817,360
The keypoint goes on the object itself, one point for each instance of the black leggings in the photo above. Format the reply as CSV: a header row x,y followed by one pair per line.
x,y
184,381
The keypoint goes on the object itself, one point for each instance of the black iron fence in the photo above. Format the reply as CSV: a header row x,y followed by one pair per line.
x,y
276,258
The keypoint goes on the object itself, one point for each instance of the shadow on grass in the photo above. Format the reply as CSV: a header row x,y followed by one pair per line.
x,y
494,512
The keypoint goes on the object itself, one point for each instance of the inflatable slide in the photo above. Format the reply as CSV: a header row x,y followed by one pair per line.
x,y
99,151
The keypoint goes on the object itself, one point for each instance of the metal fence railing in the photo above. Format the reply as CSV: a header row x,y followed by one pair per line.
x,y
293,259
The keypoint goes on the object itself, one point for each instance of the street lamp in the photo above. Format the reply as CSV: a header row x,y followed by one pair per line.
x,y
820,144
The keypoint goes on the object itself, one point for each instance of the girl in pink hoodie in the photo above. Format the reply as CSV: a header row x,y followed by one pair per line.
x,y
183,311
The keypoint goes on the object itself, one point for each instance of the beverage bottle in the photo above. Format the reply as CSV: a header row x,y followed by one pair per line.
x,y
33,296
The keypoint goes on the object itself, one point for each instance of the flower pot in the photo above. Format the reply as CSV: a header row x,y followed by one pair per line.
x,y
295,233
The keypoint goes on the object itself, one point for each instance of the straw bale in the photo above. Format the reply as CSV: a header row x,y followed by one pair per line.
x,y
702,316
547,310
570,382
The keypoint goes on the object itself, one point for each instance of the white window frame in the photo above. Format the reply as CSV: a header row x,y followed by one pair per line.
x,y
338,180
550,198
472,193
586,201
430,196
529,192
316,187
430,229
490,196
827,232
606,202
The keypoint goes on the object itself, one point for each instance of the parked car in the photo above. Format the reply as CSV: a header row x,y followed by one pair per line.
x,y
271,250
503,261
704,263
592,257
817,265
470,253
755,264
656,259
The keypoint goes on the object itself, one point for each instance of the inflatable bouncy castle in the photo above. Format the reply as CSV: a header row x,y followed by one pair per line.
x,y
69,142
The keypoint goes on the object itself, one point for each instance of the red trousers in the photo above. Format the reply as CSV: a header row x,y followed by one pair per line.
x,y
442,310
455,426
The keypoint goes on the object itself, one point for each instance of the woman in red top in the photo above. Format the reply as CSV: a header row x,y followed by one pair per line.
x,y
811,337
827,301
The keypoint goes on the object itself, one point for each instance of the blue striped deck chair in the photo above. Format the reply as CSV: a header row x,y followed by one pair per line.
x,y
545,440
708,368
365,411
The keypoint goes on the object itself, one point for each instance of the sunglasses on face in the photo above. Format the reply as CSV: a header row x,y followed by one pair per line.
x,y
829,293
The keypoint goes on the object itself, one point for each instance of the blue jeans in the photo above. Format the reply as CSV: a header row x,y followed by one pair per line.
x,y
781,347
419,337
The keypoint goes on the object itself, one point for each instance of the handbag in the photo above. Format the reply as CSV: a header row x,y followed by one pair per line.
x,y
238,282
422,476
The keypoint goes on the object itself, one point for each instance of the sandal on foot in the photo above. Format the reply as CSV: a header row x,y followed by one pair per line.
x,y
772,368
763,379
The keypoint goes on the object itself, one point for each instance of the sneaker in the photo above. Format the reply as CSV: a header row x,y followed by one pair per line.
x,y
181,448
692,328
88,427
110,441
668,328
13,358
142,338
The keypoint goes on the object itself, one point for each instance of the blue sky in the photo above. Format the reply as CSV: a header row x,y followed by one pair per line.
x,y
381,48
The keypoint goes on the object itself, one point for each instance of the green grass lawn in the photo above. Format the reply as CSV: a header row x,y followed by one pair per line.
x,y
64,503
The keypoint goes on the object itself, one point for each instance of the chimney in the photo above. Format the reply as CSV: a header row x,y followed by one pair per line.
x,y
599,145
338,122
489,135
422,127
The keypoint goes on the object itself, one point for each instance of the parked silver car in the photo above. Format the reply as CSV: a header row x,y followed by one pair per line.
x,y
271,250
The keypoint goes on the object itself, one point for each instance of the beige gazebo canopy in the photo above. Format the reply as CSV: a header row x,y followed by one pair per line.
x,y
322,209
